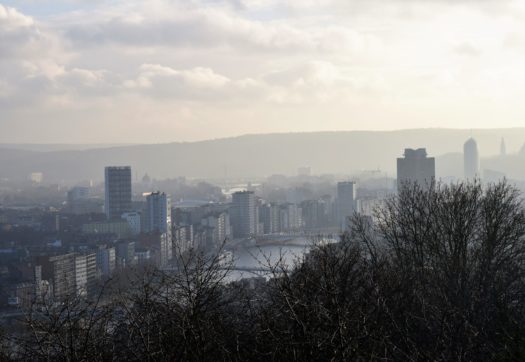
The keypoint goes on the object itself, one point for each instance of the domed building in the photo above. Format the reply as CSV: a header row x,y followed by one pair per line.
x,y
471,159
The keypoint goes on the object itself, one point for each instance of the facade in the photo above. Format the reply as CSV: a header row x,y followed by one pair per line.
x,y
79,201
313,214
91,273
290,218
164,249
117,191
133,219
346,201
269,216
21,295
158,213
471,159
416,167
63,275
36,177
143,256
77,193
125,253
218,226
85,274
183,238
81,275
243,214
118,228
158,220
105,261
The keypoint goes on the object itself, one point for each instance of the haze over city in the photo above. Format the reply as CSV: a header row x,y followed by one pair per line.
x,y
262,180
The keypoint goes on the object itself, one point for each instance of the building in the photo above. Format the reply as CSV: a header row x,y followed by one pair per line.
x,y
290,218
218,225
133,219
125,253
313,212
63,275
243,214
158,220
106,261
77,193
80,202
183,238
117,228
36,177
92,274
493,176
163,249
143,256
81,275
471,159
269,216
77,198
21,295
117,191
158,213
369,205
346,201
416,167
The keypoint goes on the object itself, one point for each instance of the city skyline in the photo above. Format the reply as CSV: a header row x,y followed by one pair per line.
x,y
166,71
252,180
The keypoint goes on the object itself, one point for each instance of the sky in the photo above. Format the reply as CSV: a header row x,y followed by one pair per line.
x,y
115,71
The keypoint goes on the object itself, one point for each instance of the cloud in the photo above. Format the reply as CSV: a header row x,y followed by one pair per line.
x,y
194,84
204,68
467,49
17,32
210,28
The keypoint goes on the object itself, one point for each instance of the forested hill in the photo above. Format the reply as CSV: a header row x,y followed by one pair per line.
x,y
263,155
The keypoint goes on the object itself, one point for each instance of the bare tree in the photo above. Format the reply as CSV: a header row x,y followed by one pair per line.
x,y
438,274
177,314
72,329
457,254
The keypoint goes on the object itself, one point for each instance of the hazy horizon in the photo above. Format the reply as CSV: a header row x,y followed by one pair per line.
x,y
79,145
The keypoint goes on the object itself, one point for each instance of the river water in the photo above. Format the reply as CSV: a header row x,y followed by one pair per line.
x,y
256,261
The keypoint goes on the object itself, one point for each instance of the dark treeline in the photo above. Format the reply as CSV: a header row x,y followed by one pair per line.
x,y
438,276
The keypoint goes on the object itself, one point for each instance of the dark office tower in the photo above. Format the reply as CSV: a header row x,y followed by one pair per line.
x,y
416,167
346,204
118,191
243,214
471,159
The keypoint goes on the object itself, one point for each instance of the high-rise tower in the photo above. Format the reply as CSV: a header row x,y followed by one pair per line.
x,y
471,159
416,167
158,213
346,202
244,214
118,191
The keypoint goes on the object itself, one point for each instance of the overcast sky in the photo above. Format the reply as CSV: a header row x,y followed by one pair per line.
x,y
181,70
